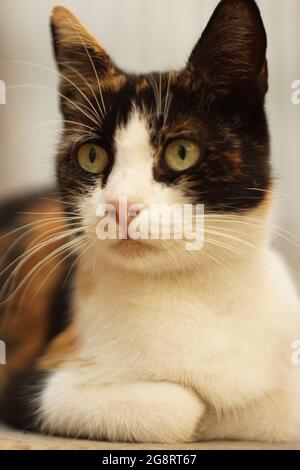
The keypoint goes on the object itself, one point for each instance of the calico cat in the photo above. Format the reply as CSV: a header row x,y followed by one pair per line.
x,y
143,340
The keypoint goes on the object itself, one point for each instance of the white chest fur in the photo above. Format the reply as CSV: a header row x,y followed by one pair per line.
x,y
207,332
159,354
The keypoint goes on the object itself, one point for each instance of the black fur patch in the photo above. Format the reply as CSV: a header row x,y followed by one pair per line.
x,y
18,399
61,304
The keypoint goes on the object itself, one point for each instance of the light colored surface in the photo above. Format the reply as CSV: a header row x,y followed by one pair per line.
x,y
12,440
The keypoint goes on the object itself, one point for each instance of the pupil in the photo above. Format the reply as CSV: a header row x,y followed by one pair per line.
x,y
182,152
92,155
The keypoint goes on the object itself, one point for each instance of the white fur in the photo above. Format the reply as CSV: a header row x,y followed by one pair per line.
x,y
179,345
141,411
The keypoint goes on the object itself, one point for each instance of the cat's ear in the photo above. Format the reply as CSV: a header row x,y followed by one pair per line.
x,y
75,48
231,52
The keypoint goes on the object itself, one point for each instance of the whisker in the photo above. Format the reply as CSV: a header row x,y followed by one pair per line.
x,y
38,87
60,201
86,82
73,250
278,231
160,93
54,213
43,67
37,266
156,92
28,229
76,261
71,226
168,101
35,222
103,112
32,277
232,249
275,192
22,259
242,219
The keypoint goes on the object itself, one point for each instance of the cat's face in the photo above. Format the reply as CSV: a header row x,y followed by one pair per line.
x,y
194,136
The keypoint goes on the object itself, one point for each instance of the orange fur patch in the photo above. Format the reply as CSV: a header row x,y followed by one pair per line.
x,y
25,318
62,348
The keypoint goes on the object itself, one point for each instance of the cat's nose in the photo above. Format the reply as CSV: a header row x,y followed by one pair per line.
x,y
125,212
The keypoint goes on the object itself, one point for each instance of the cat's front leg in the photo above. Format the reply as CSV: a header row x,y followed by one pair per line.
x,y
139,412
274,417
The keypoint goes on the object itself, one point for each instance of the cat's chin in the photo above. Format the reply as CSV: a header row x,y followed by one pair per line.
x,y
136,257
144,256
133,250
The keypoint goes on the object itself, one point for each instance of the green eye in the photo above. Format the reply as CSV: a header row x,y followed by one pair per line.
x,y
92,158
181,155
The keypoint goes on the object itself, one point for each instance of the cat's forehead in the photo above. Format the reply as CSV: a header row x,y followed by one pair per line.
x,y
170,102
134,136
157,86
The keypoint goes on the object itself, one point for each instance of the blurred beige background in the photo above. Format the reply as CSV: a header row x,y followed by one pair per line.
x,y
141,35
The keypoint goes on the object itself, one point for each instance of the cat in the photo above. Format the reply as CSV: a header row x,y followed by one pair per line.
x,y
144,340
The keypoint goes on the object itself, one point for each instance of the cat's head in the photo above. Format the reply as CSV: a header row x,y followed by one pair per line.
x,y
193,136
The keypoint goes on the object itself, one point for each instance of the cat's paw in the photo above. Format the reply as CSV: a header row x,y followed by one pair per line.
x,y
156,412
123,412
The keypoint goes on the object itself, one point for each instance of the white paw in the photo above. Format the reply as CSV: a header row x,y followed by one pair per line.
x,y
138,412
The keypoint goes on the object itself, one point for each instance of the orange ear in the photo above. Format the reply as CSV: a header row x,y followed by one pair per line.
x,y
73,43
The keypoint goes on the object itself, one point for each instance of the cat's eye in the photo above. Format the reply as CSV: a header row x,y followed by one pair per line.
x,y
92,158
181,155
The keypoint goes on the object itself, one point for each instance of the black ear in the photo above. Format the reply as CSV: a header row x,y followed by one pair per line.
x,y
231,53
76,49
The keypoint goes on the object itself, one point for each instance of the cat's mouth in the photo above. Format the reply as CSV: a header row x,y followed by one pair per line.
x,y
134,248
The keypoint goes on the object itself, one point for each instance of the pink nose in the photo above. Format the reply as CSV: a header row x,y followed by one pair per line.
x,y
126,212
